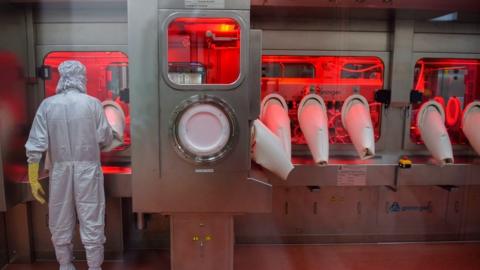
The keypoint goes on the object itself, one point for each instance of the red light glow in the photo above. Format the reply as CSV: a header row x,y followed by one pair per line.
x,y
204,50
116,170
454,83
99,75
334,78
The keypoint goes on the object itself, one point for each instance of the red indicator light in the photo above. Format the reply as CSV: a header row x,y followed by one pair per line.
x,y
453,111
116,170
226,27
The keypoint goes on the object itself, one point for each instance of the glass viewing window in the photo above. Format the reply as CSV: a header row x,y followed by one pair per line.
x,y
454,83
107,79
334,78
203,51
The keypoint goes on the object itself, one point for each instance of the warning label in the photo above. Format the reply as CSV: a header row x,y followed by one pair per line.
x,y
215,4
352,176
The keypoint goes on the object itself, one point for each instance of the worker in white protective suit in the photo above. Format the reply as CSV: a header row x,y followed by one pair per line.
x,y
73,127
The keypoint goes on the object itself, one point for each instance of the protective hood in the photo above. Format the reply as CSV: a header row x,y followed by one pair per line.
x,y
72,76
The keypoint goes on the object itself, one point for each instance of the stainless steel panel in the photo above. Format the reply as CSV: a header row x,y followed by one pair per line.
x,y
416,213
311,215
81,33
402,68
143,68
325,40
110,13
13,32
456,208
42,247
374,4
174,184
255,73
446,43
206,240
471,227
271,227
474,178
228,4
315,175
338,210
446,27
319,24
427,175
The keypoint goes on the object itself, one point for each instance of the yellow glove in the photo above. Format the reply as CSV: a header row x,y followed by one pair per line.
x,y
34,184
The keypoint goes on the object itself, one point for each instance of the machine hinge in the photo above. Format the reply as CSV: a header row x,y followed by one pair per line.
x,y
415,96
125,95
44,72
383,96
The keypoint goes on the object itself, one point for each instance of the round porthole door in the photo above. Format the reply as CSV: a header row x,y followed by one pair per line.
x,y
203,129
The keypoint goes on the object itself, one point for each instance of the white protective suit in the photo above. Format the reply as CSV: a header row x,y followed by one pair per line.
x,y
73,127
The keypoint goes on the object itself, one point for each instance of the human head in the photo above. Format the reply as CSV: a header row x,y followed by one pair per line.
x,y
72,76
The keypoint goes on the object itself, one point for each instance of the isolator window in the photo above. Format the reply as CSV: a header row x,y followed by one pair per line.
x,y
203,51
107,80
334,78
454,84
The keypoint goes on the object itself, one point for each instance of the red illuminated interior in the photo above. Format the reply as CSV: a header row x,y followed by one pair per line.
x,y
203,50
454,83
103,79
334,78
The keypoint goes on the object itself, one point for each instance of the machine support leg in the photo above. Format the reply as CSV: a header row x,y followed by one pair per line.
x,y
202,241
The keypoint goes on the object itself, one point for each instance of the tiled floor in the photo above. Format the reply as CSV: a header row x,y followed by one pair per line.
x,y
324,257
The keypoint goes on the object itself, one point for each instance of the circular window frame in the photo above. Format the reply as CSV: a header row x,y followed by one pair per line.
x,y
177,114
